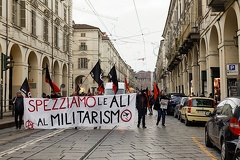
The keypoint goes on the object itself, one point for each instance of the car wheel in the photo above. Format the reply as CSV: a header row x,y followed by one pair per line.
x,y
208,143
187,122
175,114
236,156
181,120
225,155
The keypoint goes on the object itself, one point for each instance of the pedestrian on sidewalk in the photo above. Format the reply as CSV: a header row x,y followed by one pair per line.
x,y
141,105
19,109
161,106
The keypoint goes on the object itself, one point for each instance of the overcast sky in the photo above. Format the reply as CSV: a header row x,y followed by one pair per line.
x,y
118,18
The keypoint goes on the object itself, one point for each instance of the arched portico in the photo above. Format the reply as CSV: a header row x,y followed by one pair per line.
x,y
57,75
195,71
228,52
45,87
16,74
65,80
33,73
212,63
202,64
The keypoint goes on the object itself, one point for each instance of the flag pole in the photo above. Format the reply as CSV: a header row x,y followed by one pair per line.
x,y
84,80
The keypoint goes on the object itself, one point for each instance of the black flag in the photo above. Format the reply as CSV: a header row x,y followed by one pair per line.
x,y
26,89
113,78
96,74
48,80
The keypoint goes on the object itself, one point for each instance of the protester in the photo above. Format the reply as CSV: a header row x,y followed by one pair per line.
x,y
141,105
44,95
19,109
158,105
202,94
54,95
151,103
210,95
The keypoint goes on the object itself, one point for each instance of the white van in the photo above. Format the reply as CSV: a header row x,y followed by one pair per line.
x,y
109,90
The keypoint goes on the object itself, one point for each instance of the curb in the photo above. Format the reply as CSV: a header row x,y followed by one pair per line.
x,y
7,125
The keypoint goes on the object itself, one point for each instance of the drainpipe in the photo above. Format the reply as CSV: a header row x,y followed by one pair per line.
x,y
52,36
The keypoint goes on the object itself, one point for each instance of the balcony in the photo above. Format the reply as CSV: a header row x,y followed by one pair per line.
x,y
217,5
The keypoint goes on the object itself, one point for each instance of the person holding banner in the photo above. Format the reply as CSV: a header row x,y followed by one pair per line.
x,y
19,109
141,105
160,105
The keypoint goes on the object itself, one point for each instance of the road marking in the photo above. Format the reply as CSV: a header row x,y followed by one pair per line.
x,y
26,144
204,149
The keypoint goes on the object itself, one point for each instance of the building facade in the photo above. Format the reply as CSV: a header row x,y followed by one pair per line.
x,y
144,80
35,33
202,47
90,44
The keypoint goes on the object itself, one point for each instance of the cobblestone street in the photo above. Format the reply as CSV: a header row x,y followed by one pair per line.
x,y
175,141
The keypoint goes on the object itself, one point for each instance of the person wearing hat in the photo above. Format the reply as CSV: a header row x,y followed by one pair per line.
x,y
141,104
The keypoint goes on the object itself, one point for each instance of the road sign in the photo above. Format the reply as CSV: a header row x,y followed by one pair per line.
x,y
232,69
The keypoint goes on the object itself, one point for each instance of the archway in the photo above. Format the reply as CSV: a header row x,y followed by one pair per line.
x,y
17,73
195,72
202,64
212,62
229,54
81,81
65,80
57,74
33,73
45,87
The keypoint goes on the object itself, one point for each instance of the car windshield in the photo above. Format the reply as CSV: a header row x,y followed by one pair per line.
x,y
110,91
206,103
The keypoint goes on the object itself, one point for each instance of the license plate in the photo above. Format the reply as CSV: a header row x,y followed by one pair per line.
x,y
201,112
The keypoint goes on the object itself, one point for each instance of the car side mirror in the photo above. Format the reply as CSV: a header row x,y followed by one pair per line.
x,y
208,114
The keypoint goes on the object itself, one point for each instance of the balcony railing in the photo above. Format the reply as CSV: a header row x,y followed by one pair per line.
x,y
217,5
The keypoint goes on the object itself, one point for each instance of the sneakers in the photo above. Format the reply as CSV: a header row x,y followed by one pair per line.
x,y
163,125
144,127
138,125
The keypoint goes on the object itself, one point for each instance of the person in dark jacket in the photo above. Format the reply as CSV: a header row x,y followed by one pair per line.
x,y
19,109
142,108
158,106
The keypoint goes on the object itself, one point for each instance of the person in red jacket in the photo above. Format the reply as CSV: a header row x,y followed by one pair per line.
x,y
141,104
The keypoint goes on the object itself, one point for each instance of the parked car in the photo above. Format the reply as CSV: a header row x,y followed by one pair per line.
x,y
223,129
237,150
173,99
179,106
194,110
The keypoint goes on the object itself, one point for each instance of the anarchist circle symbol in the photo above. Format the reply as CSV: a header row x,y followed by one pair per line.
x,y
126,115
29,124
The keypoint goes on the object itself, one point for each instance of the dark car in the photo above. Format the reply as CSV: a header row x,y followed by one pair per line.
x,y
179,106
223,128
174,98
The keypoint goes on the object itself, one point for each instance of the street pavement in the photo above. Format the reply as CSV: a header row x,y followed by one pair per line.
x,y
175,141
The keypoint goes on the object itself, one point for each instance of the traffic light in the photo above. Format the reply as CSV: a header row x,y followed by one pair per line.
x,y
7,62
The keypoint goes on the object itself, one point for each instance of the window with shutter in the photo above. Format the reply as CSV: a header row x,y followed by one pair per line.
x,y
56,36
23,14
56,7
82,63
45,30
83,46
33,22
65,13
64,42
0,7
14,12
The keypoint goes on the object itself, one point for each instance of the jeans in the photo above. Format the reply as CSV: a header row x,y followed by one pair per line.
x,y
141,116
161,113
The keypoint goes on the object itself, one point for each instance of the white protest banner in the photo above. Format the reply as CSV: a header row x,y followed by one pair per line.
x,y
88,111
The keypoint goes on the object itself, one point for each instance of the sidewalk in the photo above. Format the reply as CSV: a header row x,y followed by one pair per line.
x,y
7,121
